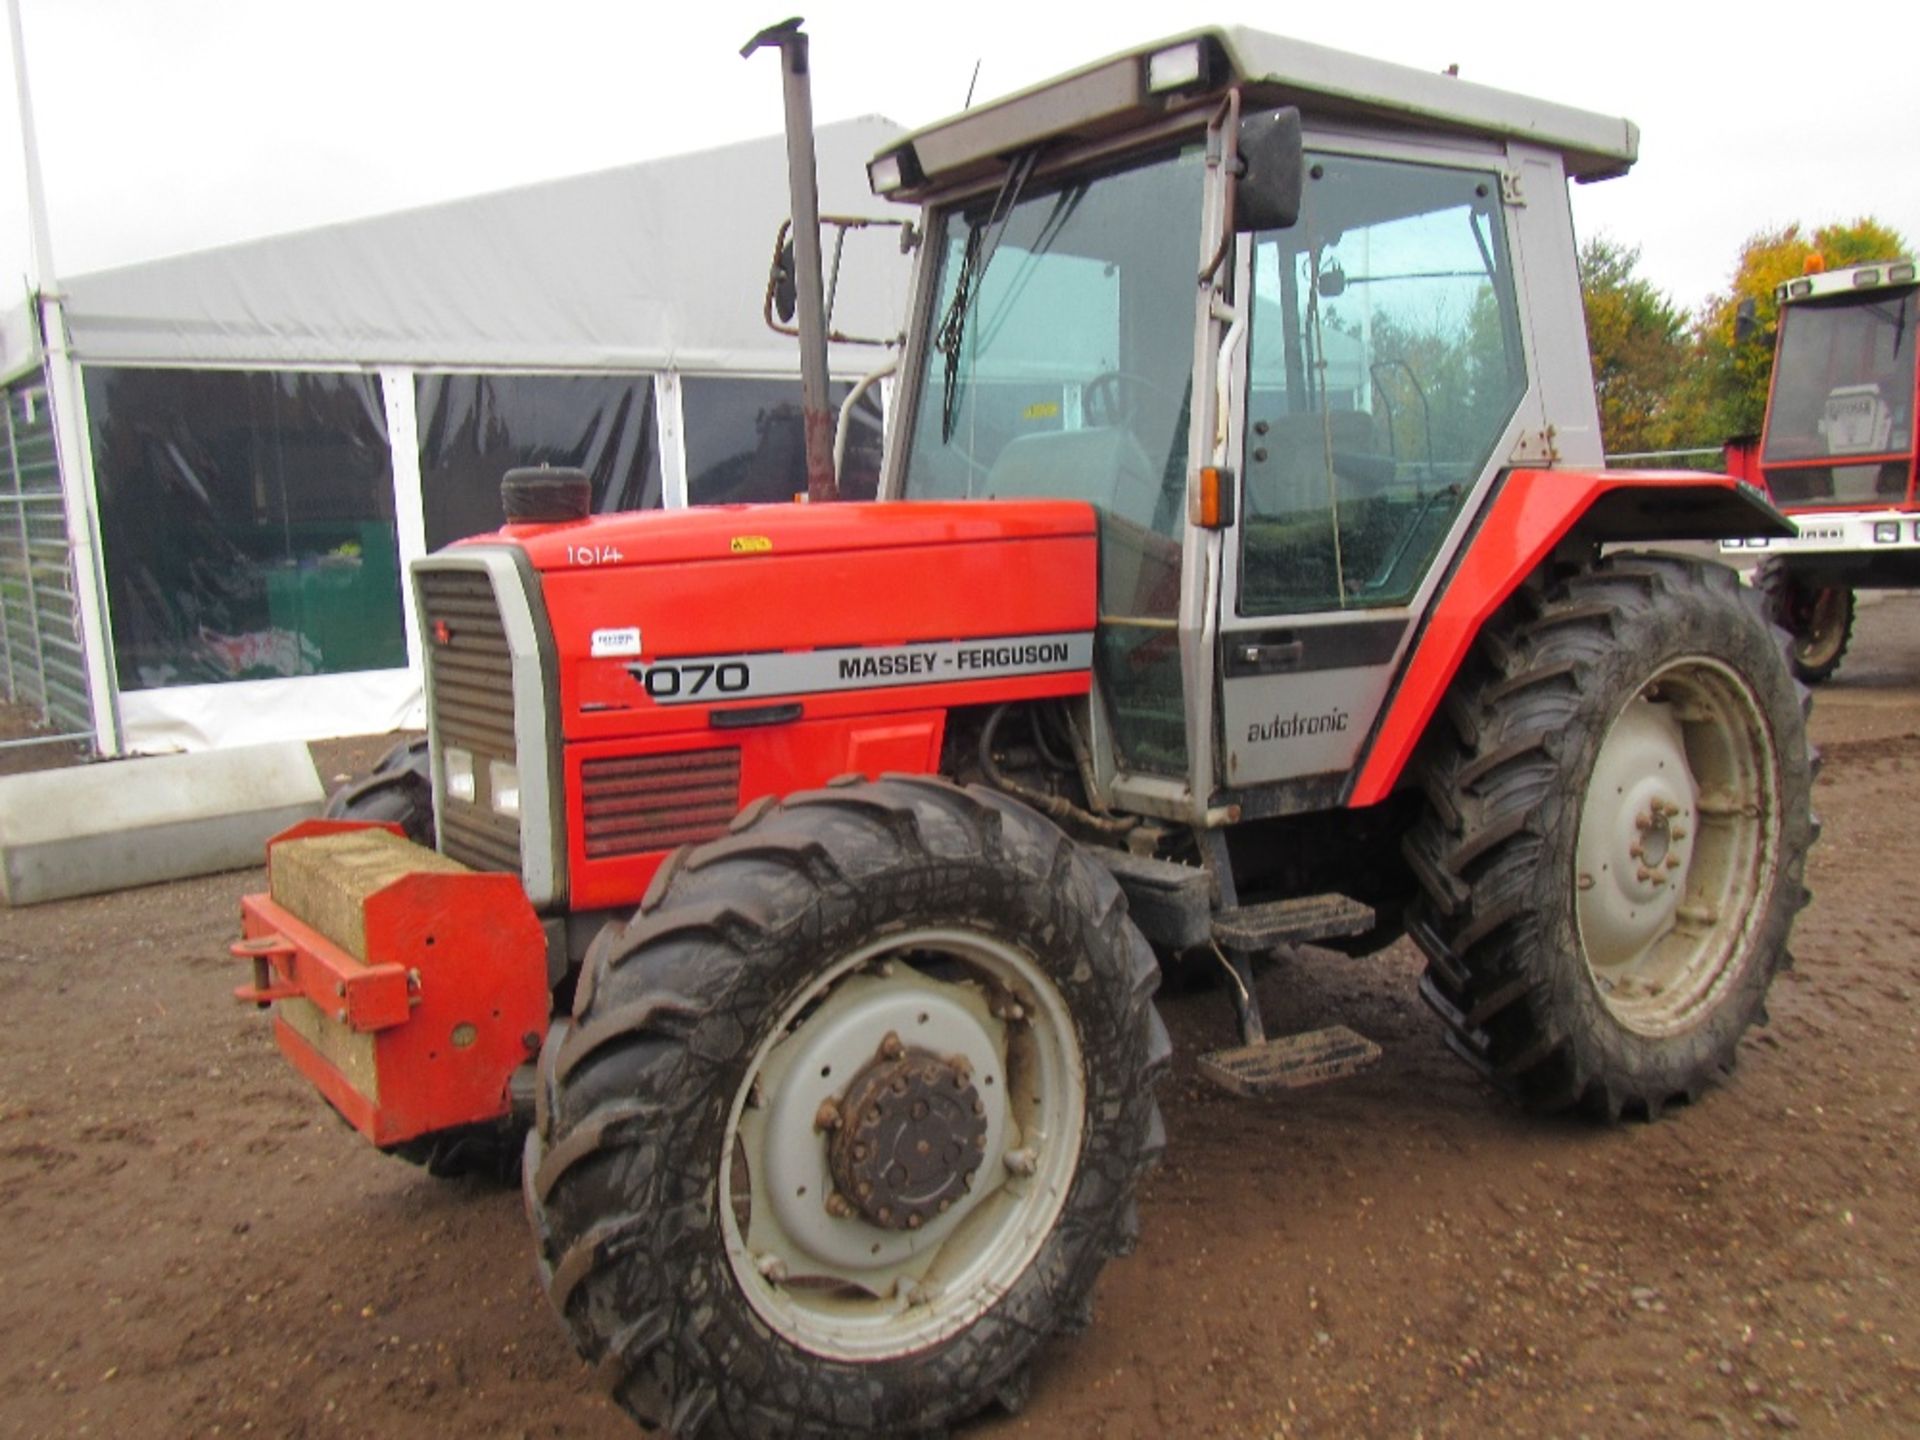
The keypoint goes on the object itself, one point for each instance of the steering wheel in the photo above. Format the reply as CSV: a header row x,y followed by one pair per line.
x,y
1113,396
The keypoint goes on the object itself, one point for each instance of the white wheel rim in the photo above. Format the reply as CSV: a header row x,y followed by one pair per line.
x,y
838,1285
1679,833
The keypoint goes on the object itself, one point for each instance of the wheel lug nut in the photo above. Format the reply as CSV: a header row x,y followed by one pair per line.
x,y
1642,874
915,1220
1673,862
891,1047
839,1206
771,1267
1676,832
827,1117
1022,1161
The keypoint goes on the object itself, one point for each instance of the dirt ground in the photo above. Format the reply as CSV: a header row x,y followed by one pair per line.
x,y
194,1247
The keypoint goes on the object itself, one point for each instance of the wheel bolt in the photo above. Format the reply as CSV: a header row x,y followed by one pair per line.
x,y
1642,874
1023,1161
915,1220
1676,832
839,1206
891,1048
1673,862
827,1117
771,1267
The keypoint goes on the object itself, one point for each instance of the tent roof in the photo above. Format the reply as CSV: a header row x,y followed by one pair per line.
x,y
659,264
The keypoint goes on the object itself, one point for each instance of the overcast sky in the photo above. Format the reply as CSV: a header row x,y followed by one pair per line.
x,y
171,125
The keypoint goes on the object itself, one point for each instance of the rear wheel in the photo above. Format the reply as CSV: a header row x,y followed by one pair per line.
x,y
849,1117
1817,618
1616,838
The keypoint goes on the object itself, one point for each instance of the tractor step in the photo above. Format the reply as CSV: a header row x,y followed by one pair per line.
x,y
1292,1062
1297,921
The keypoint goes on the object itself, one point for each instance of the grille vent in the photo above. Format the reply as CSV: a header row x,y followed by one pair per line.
x,y
654,802
466,649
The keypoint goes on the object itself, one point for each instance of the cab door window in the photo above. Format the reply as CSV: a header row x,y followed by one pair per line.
x,y
1385,361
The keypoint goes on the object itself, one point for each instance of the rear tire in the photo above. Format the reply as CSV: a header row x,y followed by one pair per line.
x,y
1616,837
1817,618
678,1174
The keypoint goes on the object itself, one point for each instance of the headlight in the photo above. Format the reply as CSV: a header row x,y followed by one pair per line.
x,y
503,785
1886,532
459,775
1171,69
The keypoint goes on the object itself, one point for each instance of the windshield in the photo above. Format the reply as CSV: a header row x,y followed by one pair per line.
x,y
1062,369
1843,386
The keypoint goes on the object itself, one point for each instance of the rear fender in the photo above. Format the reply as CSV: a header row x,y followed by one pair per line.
x,y
1533,512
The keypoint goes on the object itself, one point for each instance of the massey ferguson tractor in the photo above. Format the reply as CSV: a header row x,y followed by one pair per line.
x,y
1837,453
804,871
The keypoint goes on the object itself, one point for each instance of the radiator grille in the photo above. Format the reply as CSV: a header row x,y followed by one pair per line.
x,y
472,689
654,802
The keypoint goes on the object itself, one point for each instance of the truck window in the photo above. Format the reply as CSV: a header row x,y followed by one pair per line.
x,y
1843,386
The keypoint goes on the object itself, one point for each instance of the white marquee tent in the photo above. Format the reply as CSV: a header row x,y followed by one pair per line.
x,y
265,434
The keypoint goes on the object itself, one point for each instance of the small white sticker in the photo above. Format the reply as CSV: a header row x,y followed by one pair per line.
x,y
616,642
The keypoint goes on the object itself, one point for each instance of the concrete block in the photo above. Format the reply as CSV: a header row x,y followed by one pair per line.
x,y
93,828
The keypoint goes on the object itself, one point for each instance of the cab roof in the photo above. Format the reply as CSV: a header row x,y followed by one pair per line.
x,y
1880,275
1116,94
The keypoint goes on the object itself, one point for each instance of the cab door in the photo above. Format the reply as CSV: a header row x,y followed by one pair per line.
x,y
1385,381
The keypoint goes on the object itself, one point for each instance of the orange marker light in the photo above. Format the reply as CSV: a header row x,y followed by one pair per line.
x,y
1816,264
1213,498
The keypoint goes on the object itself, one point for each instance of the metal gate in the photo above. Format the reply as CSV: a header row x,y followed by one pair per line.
x,y
42,661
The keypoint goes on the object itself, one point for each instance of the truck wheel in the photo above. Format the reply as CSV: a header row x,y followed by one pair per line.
x,y
849,1117
1616,837
1818,618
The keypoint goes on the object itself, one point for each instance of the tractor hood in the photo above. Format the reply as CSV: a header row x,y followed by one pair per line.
x,y
664,620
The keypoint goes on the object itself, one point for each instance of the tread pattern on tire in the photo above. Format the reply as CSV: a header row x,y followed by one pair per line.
x,y
1485,917
633,1094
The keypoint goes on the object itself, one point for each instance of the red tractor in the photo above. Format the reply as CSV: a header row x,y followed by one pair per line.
x,y
804,871
1837,453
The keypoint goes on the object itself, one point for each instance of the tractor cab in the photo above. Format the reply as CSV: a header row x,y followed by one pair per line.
x,y
1840,421
1838,453
1285,419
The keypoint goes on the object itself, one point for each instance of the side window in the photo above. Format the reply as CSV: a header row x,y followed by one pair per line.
x,y
1385,361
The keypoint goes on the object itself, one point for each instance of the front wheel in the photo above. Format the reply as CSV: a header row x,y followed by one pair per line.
x,y
1818,619
1616,841
849,1117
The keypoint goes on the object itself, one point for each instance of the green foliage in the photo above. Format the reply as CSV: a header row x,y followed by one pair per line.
x,y
1667,379
1640,346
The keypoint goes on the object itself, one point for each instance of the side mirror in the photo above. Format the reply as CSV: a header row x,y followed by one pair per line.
x,y
1746,322
781,285
1273,171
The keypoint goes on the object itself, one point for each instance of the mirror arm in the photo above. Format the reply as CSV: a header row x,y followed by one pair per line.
x,y
1223,149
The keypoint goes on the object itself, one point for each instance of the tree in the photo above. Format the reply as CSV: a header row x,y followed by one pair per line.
x,y
1731,376
1640,347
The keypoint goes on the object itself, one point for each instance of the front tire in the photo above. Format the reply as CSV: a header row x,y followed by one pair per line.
x,y
1616,838
849,1117
1818,619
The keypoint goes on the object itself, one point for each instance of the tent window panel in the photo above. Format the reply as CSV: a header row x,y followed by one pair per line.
x,y
247,522
475,428
746,443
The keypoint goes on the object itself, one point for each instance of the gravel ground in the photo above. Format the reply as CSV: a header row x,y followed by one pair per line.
x,y
196,1247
